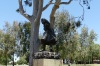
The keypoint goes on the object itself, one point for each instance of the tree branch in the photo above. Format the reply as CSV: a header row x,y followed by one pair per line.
x,y
40,6
50,2
22,12
52,18
66,2
35,9
82,17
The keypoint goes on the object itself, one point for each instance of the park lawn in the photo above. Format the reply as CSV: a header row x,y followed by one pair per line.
x,y
64,65
83,65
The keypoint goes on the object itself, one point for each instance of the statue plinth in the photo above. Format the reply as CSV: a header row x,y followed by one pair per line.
x,y
47,62
46,55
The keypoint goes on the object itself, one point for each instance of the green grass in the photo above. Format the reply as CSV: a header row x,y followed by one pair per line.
x,y
64,65
83,65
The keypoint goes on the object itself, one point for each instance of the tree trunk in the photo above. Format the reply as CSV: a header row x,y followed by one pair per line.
x,y
34,41
13,58
35,23
6,60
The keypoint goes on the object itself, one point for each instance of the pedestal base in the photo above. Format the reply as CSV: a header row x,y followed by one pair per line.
x,y
46,55
48,62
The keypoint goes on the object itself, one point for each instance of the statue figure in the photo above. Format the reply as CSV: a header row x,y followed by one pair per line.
x,y
48,35
49,38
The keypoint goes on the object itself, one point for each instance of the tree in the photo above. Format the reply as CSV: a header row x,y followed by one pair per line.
x,y
35,20
8,41
67,36
96,52
87,44
24,37
84,43
2,60
14,39
91,39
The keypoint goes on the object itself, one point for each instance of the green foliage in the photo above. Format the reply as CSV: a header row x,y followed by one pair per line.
x,y
24,37
87,44
8,41
14,39
22,60
65,28
71,45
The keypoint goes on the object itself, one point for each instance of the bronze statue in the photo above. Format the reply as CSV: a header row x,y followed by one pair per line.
x,y
49,38
48,35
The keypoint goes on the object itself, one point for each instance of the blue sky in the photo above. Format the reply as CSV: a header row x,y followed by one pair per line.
x,y
91,18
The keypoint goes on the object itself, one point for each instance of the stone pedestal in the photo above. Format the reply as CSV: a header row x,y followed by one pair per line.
x,y
48,62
